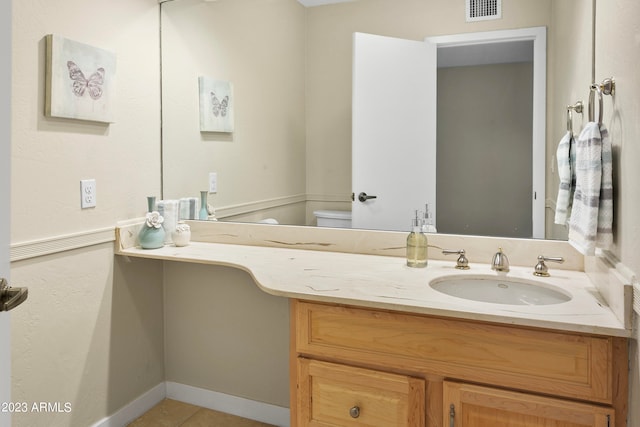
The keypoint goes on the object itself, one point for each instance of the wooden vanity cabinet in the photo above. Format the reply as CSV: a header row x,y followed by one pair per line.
x,y
355,366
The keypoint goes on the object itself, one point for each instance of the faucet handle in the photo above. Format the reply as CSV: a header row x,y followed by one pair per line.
x,y
500,262
541,269
462,263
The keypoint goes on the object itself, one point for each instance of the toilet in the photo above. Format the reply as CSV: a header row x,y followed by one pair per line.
x,y
335,219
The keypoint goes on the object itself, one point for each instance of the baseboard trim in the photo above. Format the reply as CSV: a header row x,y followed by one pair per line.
x,y
136,408
239,406
222,402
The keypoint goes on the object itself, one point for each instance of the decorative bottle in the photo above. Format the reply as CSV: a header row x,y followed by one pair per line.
x,y
204,212
417,245
427,223
151,203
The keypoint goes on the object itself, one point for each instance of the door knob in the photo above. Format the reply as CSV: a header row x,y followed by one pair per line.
x,y
363,197
10,297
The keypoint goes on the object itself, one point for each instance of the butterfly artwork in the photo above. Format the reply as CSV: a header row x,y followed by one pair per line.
x,y
219,107
81,84
216,105
80,81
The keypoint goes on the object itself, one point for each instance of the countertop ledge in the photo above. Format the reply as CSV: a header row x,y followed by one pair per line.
x,y
385,282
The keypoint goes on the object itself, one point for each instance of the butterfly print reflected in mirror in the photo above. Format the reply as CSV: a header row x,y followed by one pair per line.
x,y
81,84
219,108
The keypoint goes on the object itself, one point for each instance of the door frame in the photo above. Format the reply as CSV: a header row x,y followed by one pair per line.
x,y
538,35
5,176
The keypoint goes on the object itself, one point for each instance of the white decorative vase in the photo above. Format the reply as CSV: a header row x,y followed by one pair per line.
x,y
181,236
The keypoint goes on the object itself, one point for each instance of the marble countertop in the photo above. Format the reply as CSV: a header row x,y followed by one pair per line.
x,y
386,282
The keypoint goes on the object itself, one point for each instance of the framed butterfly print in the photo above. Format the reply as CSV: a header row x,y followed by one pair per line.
x,y
216,105
80,80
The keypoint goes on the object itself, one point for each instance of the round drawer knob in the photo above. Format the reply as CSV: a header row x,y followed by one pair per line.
x,y
354,412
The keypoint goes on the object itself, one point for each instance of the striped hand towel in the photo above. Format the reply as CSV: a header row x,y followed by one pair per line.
x,y
189,207
604,236
592,210
565,156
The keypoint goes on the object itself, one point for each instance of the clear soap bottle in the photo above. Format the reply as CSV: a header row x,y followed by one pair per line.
x,y
427,223
416,245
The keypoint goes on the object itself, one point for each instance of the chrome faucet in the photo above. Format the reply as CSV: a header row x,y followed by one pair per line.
x,y
541,269
462,263
500,262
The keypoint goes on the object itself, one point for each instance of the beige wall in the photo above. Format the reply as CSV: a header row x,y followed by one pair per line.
x,y
224,334
91,332
484,131
618,55
51,156
569,63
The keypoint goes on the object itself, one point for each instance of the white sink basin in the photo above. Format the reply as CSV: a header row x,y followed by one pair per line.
x,y
498,290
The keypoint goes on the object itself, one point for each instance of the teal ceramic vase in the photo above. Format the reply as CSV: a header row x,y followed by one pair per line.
x,y
204,213
151,237
152,233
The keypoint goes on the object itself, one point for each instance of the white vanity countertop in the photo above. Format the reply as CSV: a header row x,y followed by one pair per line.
x,y
386,282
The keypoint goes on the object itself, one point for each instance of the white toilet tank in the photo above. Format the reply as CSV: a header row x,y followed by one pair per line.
x,y
336,219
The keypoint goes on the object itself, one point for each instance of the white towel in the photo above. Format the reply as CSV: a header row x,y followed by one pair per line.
x,y
565,155
169,209
592,210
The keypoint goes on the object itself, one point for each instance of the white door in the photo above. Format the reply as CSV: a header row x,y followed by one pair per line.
x,y
5,138
394,130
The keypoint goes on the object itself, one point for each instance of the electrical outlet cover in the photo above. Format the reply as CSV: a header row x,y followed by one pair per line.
x,y
87,193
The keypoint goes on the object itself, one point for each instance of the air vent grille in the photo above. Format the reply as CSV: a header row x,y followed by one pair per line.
x,y
482,10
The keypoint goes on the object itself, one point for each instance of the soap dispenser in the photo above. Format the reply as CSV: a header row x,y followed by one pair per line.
x,y
427,222
417,245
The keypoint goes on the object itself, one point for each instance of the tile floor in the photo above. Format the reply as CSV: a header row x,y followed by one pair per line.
x,y
171,413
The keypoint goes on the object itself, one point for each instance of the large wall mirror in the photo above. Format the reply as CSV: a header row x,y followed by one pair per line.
x,y
291,66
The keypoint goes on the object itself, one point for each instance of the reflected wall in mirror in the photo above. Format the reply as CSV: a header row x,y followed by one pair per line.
x,y
291,67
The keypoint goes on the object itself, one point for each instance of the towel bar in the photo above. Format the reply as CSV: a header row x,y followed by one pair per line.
x,y
578,108
607,87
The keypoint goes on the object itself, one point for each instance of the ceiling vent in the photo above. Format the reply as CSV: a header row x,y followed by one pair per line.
x,y
482,10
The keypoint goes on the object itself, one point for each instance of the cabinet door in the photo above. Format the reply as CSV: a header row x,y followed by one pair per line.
x,y
467,405
334,395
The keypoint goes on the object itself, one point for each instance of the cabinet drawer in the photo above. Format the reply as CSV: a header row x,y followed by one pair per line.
x,y
562,364
331,394
474,406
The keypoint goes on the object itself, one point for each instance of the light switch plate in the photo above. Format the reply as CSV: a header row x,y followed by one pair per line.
x,y
213,182
87,193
